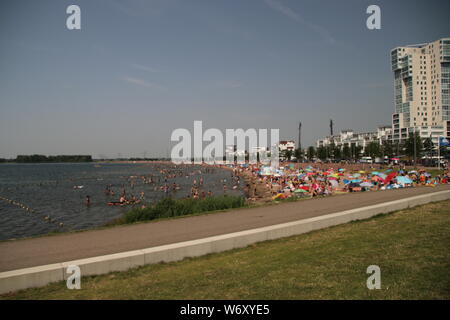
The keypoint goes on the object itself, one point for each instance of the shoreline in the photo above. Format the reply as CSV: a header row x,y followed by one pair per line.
x,y
257,190
262,203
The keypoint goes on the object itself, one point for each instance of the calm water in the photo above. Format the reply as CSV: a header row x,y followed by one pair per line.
x,y
48,189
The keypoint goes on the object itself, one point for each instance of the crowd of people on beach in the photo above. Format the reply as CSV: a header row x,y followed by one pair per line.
x,y
311,181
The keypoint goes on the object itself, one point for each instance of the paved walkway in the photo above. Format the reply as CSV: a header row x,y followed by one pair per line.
x,y
25,253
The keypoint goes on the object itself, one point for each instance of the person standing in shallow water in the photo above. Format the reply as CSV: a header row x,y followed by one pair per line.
x,y
88,200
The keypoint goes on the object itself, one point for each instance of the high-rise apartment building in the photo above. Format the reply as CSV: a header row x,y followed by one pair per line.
x,y
422,90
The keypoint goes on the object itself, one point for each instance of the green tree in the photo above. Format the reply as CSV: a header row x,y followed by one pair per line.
x,y
373,149
321,153
311,153
298,154
346,152
408,145
330,150
388,148
337,152
287,154
428,146
358,152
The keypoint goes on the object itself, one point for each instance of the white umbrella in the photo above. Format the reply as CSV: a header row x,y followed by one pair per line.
x,y
366,184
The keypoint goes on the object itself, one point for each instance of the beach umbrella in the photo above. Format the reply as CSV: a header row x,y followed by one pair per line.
x,y
354,185
403,180
362,171
382,176
366,184
346,181
300,191
390,177
356,175
375,172
334,183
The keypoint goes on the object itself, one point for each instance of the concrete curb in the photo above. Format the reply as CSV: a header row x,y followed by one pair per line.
x,y
40,276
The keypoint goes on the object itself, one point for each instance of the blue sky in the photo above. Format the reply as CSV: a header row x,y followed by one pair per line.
x,y
139,69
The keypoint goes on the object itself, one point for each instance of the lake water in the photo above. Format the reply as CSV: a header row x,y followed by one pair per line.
x,y
48,191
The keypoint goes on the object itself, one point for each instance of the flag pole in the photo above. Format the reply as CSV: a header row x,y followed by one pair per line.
x,y
439,153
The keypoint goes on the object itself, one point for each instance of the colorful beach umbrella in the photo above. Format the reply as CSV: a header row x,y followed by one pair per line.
x,y
382,176
390,177
366,184
403,180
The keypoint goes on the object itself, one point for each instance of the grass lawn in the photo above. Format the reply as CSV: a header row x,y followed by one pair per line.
x,y
412,248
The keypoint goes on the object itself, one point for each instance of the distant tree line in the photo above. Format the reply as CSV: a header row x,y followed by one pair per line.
x,y
36,158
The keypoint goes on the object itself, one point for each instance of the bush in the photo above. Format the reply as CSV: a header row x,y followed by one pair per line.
x,y
169,207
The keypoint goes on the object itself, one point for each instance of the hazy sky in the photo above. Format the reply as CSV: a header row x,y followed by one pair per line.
x,y
139,69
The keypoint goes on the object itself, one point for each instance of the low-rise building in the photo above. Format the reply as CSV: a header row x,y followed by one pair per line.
x,y
349,137
286,145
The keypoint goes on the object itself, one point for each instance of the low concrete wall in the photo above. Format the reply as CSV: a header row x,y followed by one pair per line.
x,y
42,275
